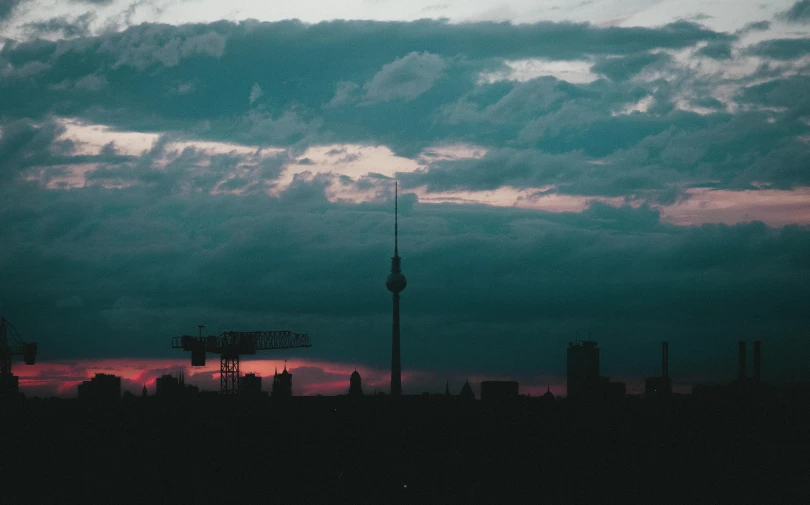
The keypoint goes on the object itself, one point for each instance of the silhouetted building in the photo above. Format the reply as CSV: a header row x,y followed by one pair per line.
x,y
395,283
250,385
660,387
282,384
9,384
355,385
103,388
168,385
583,370
466,392
584,382
548,396
144,392
499,390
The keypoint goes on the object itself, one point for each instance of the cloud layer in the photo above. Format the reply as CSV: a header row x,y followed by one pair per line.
x,y
239,175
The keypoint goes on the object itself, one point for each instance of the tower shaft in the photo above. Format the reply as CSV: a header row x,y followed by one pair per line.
x,y
395,283
396,365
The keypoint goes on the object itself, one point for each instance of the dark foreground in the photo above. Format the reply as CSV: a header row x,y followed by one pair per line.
x,y
420,450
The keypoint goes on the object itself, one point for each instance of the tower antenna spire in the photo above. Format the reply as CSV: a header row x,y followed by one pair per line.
x,y
396,224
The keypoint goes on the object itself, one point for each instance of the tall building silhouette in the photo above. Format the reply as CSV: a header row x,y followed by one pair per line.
x,y
660,387
395,283
169,386
103,388
250,385
282,384
355,385
583,369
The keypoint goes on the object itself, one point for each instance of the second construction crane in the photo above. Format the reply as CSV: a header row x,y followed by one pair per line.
x,y
28,350
230,345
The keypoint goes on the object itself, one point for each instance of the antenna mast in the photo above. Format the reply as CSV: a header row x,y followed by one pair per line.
x,y
396,224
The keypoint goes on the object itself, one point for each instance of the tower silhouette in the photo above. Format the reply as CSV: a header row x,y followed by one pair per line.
x,y
395,283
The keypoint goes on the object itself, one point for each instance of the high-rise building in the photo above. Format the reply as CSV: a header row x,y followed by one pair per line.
x,y
355,385
395,283
103,388
660,387
250,385
282,384
168,385
583,370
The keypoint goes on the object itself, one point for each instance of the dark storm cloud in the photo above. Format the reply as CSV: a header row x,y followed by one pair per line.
x,y
292,84
628,154
148,249
781,49
790,93
755,27
798,13
23,144
61,26
622,68
146,266
7,8
299,69
717,50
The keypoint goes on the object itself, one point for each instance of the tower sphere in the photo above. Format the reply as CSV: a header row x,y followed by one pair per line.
x,y
396,282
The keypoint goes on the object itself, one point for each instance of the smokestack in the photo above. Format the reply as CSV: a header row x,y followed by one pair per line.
x,y
664,359
741,345
757,362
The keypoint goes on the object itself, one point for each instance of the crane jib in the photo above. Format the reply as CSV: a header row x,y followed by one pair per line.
x,y
231,344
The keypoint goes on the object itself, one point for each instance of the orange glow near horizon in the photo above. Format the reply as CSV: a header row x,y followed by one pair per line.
x,y
310,377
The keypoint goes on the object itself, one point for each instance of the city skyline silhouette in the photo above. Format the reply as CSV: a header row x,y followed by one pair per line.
x,y
603,210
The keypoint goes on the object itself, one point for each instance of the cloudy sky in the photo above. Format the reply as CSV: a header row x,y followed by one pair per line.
x,y
634,171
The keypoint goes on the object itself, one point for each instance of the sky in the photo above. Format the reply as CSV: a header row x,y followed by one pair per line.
x,y
627,172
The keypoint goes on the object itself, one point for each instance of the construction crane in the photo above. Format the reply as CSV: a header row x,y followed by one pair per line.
x,y
230,345
28,350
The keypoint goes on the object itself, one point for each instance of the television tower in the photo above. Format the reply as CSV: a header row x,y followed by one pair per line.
x,y
395,283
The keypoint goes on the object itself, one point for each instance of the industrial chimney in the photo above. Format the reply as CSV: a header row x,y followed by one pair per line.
x,y
741,345
664,359
757,362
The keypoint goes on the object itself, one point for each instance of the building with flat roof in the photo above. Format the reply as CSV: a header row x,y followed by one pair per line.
x,y
250,385
103,388
583,370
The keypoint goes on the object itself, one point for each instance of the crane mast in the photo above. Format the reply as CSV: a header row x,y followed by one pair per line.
x,y
28,350
231,344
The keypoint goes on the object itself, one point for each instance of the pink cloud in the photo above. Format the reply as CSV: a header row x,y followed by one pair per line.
x,y
771,206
